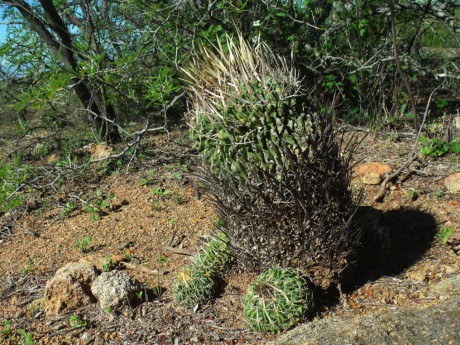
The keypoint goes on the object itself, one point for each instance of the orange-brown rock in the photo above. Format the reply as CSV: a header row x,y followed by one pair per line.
x,y
70,288
372,172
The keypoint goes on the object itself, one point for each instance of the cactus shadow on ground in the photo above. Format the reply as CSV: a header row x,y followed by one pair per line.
x,y
394,241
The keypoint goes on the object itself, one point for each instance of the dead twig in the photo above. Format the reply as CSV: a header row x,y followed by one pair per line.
x,y
179,251
412,157
140,268
383,187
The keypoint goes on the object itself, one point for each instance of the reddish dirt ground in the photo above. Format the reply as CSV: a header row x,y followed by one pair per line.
x,y
139,224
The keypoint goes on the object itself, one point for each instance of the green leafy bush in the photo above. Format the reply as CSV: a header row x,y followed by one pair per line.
x,y
277,300
433,147
11,179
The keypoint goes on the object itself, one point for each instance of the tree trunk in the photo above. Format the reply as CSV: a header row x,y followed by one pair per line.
x,y
62,47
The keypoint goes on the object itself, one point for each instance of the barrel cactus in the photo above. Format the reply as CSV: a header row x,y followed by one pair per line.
x,y
194,285
277,300
277,172
216,254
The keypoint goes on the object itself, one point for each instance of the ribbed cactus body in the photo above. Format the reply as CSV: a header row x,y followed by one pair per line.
x,y
277,300
216,254
194,285
247,113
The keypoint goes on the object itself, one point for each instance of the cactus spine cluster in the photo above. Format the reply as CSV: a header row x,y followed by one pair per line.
x,y
196,283
277,300
245,110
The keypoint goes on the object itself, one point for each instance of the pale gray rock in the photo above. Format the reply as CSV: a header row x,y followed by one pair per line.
x,y
114,289
435,324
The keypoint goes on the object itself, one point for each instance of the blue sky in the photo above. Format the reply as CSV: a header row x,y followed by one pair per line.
x,y
2,32
2,26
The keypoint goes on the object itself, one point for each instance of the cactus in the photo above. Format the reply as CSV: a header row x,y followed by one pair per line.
x,y
277,300
194,285
216,254
277,172
246,111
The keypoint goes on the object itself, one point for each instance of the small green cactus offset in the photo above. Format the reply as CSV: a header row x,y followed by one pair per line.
x,y
216,255
277,300
194,285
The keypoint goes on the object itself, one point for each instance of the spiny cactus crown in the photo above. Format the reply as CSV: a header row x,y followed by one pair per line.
x,y
276,300
244,108
194,285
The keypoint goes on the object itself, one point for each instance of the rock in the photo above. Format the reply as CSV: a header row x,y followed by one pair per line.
x,y
452,183
372,172
114,289
435,324
70,288
98,151
87,338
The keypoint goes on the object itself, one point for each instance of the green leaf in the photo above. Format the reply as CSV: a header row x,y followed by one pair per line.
x,y
441,103
454,147
403,108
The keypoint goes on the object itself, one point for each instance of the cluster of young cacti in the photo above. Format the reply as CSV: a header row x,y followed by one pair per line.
x,y
277,300
276,170
196,283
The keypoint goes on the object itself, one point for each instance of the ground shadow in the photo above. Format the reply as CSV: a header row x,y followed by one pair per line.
x,y
392,240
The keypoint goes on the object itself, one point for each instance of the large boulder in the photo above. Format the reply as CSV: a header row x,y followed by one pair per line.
x,y
434,324
114,289
70,288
